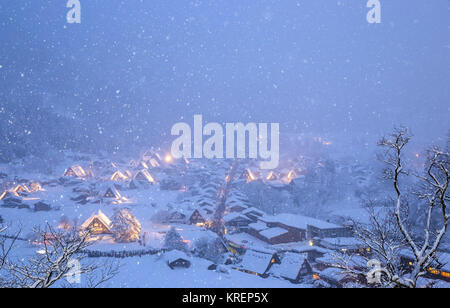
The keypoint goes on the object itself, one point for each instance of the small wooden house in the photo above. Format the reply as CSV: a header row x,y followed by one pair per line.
x,y
112,193
176,217
271,176
9,194
196,218
236,222
97,224
258,263
144,177
75,171
177,259
35,187
294,267
21,190
248,176
120,176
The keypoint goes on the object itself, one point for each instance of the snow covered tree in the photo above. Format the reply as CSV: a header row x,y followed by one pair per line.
x,y
209,248
60,258
174,241
389,234
126,228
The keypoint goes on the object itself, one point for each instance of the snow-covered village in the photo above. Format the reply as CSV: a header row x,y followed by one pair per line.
x,y
224,145
208,223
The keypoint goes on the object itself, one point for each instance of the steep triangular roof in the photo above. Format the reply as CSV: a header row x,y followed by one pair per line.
x,y
21,189
145,176
271,176
291,175
9,194
258,262
291,266
119,176
75,171
196,215
112,192
101,217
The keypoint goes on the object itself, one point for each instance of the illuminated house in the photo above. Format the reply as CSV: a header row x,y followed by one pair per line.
x,y
21,190
293,267
258,263
76,171
35,187
176,217
9,195
290,177
248,176
98,224
111,193
144,176
196,218
154,163
119,176
152,159
271,176
177,259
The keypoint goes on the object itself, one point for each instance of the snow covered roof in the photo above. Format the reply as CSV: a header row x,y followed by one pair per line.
x,y
254,210
258,226
100,216
144,175
119,176
273,232
8,194
256,262
300,222
332,273
290,266
174,255
233,216
75,171
341,242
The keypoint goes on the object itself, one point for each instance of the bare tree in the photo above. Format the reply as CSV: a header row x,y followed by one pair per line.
x,y
6,245
389,234
60,260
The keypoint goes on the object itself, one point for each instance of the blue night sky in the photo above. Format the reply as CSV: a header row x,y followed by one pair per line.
x,y
316,66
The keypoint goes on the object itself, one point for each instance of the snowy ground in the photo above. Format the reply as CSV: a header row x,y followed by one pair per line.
x,y
152,272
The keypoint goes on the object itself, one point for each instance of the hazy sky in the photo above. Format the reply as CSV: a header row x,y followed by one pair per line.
x,y
315,66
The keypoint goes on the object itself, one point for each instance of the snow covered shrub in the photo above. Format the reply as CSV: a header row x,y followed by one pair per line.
x,y
126,227
174,241
209,248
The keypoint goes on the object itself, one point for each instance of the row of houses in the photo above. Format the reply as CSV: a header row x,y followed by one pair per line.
x,y
285,176
282,228
290,266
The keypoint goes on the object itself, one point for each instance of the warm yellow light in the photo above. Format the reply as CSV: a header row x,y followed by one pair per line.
x,y
168,159
311,243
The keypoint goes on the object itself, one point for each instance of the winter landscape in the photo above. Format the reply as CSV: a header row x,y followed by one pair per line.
x,y
224,145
